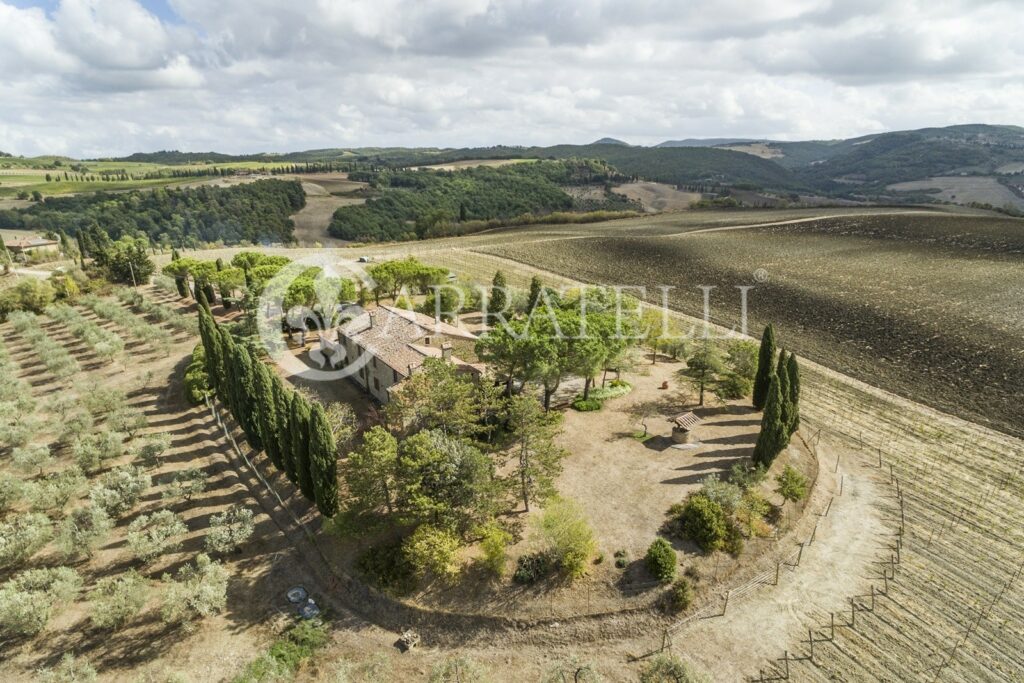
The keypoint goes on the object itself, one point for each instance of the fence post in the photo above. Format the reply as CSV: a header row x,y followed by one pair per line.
x,y
725,607
810,639
785,660
872,597
853,613
842,480
833,625
799,554
777,563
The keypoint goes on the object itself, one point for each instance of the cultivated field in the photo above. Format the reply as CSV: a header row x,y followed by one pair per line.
x,y
963,190
658,197
905,302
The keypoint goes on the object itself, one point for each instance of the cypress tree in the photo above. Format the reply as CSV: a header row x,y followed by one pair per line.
x,y
323,462
535,288
793,371
499,295
286,398
300,445
266,410
179,282
248,398
174,254
765,367
783,375
228,389
772,438
201,299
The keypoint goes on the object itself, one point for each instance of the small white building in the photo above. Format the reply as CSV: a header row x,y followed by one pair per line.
x,y
396,342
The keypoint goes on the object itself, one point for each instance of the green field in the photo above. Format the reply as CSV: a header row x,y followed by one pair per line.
x,y
29,175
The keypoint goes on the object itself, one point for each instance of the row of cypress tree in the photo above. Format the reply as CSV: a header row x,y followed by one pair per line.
x,y
777,393
293,431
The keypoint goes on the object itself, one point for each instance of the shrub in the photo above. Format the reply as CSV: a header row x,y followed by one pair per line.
x,y
726,494
150,536
667,668
431,551
751,511
747,476
230,529
680,596
83,530
119,489
70,670
661,560
704,522
791,485
585,405
23,537
621,559
287,653
387,567
614,389
733,386
494,546
458,670
532,568
197,591
566,536
116,600
197,382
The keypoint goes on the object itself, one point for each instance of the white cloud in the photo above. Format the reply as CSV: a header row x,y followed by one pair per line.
x,y
99,77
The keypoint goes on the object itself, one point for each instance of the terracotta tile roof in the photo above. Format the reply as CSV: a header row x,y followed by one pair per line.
x,y
395,336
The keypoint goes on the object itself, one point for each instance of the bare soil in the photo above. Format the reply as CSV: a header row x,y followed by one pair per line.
x,y
658,197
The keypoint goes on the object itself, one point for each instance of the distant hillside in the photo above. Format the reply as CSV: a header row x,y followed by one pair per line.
x,y
862,166
680,165
705,142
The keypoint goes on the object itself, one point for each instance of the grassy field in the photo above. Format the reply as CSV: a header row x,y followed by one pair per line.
x,y
29,175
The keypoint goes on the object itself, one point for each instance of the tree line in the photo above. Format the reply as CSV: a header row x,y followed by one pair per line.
x,y
294,431
186,217
415,204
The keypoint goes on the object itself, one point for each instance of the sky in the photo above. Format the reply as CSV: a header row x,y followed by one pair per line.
x,y
94,78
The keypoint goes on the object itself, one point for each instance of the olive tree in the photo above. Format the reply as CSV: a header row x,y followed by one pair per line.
x,y
12,490
185,484
116,600
197,591
56,489
150,536
128,420
83,530
70,670
23,536
151,448
119,490
230,529
92,450
29,599
32,458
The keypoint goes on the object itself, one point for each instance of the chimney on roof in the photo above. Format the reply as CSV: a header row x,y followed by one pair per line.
x,y
446,351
